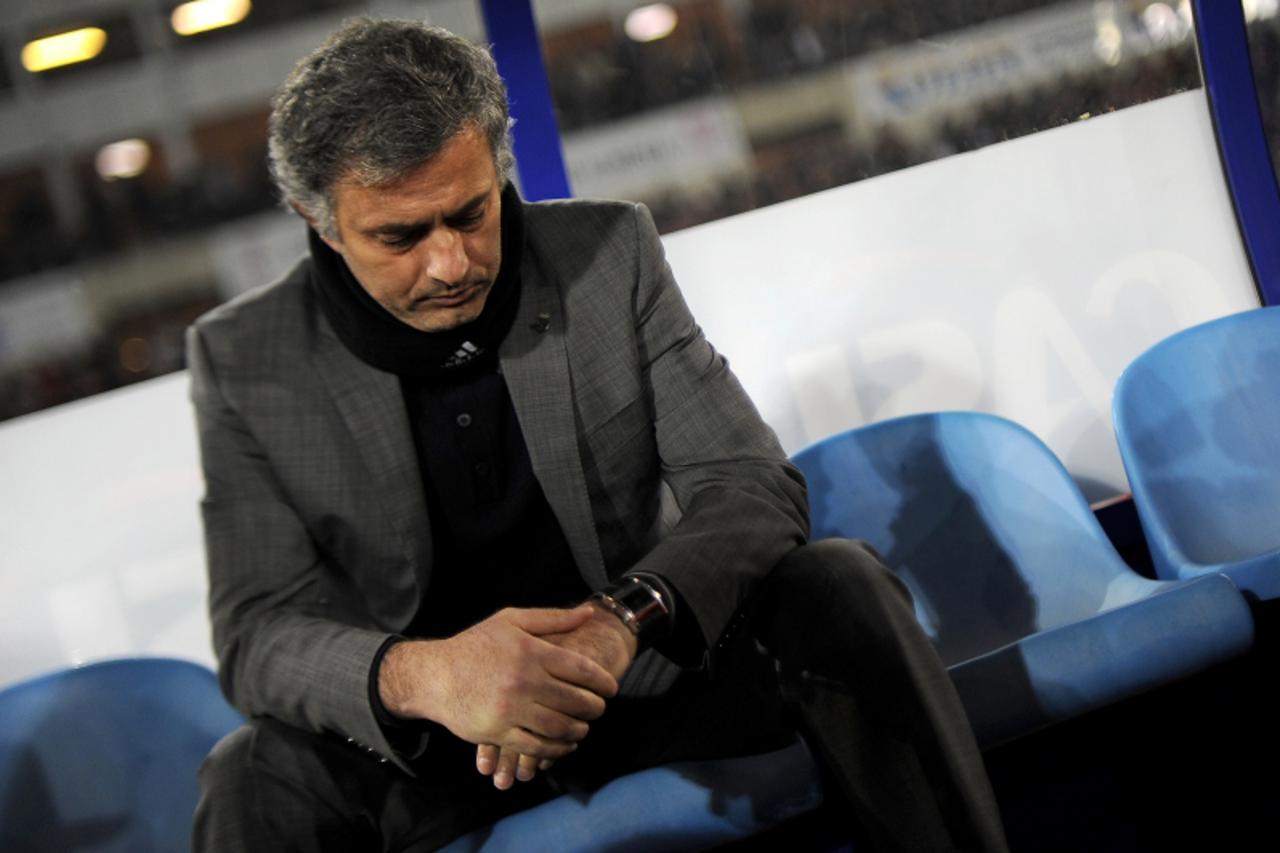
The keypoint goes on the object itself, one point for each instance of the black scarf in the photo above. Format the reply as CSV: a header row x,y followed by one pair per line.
x,y
380,339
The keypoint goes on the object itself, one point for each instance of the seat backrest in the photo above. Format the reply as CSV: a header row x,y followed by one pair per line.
x,y
1197,417
104,757
978,517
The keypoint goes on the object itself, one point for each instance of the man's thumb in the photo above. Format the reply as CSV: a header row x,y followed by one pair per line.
x,y
551,620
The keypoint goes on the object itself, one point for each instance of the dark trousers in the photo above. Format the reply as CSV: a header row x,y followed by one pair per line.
x,y
829,647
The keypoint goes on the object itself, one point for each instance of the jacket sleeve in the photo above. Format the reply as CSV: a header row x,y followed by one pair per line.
x,y
283,649
742,504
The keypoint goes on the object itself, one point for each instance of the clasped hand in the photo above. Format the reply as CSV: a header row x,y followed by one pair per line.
x,y
522,685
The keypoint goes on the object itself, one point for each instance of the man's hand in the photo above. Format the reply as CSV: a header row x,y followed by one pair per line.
x,y
604,639
510,681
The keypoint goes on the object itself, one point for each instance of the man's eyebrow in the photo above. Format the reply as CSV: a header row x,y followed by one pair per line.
x,y
396,228
470,206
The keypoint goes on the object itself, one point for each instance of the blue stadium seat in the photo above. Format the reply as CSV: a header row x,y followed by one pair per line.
x,y
104,757
689,805
1197,417
1034,613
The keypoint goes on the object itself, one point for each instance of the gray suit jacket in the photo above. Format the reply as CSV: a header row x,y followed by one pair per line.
x,y
648,450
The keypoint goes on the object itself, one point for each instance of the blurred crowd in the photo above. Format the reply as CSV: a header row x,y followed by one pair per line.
x,y
597,75
819,160
121,214
145,344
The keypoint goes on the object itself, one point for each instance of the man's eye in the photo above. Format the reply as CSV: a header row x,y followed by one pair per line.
x,y
470,220
402,242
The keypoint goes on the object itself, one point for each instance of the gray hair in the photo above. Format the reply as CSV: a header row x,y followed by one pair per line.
x,y
376,101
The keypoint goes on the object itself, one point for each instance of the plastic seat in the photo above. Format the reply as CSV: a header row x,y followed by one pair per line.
x,y
104,757
1034,613
690,805
1197,417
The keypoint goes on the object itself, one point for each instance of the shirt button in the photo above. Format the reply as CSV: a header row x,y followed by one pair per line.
x,y
464,420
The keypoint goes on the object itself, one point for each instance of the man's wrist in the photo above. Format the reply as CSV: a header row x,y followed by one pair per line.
x,y
380,710
406,667
622,649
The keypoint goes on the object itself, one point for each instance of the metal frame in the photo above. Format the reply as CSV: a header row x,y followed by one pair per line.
x,y
1242,142
517,50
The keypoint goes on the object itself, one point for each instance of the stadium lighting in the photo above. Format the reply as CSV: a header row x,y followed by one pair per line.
x,y
127,158
1109,45
63,49
650,23
200,16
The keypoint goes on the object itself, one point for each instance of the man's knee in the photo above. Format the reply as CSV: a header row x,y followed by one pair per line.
x,y
227,764
830,603
226,794
271,786
841,572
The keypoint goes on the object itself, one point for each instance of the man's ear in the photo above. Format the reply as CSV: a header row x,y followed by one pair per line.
x,y
332,243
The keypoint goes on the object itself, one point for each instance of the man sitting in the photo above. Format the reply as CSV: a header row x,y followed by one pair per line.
x,y
488,519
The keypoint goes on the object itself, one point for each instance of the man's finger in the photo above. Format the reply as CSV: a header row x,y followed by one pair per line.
x,y
522,742
551,724
576,702
547,620
505,775
486,759
527,767
576,668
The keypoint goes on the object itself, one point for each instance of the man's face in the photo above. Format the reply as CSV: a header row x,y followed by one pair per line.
x,y
428,247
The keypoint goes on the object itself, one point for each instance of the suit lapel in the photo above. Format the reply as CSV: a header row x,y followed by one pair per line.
x,y
372,408
536,368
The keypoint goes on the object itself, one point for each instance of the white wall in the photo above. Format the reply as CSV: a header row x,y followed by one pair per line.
x,y
100,549
1018,279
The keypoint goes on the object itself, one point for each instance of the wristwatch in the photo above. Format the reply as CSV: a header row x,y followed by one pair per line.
x,y
639,604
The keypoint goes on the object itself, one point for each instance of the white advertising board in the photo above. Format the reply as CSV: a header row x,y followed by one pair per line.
x,y
1018,279
100,545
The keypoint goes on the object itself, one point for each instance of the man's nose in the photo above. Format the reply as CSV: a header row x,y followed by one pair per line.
x,y
446,259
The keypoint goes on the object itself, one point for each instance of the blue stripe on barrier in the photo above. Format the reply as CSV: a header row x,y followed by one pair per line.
x,y
518,52
1250,172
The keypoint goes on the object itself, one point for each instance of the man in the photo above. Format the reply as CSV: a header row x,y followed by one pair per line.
x,y
487,518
